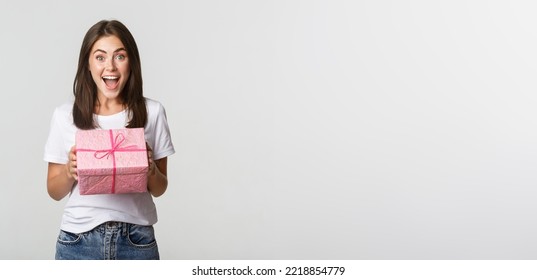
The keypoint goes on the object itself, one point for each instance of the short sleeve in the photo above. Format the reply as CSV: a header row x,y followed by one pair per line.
x,y
56,147
162,144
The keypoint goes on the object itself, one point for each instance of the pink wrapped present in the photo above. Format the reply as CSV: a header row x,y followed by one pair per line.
x,y
111,161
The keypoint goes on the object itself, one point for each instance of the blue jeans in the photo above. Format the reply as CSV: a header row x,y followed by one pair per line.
x,y
109,241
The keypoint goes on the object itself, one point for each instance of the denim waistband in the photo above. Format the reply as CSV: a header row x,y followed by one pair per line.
x,y
113,226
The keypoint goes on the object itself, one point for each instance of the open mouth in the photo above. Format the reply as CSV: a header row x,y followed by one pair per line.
x,y
111,81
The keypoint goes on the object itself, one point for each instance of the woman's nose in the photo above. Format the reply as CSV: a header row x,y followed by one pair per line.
x,y
110,65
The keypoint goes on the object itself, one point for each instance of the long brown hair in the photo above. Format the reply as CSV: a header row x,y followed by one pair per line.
x,y
85,89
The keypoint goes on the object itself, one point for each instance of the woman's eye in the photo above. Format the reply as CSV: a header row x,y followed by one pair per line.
x,y
100,58
120,57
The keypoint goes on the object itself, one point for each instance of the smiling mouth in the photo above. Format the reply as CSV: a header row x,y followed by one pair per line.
x,y
111,82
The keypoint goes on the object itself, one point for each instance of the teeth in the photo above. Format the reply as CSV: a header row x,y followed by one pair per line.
x,y
110,77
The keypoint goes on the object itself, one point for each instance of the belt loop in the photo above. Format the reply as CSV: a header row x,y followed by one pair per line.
x,y
124,230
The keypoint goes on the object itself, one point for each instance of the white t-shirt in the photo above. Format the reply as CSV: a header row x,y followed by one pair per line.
x,y
84,212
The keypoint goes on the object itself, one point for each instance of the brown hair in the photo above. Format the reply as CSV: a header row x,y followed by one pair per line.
x,y
85,89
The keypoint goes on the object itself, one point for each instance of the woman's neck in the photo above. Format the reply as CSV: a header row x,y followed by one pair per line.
x,y
106,107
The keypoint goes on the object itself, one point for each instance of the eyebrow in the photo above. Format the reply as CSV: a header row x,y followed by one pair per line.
x,y
118,50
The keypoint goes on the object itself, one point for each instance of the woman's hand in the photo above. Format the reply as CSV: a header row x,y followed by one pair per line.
x,y
72,172
150,161
62,177
157,179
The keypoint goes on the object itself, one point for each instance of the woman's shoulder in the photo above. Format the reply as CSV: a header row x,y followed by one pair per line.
x,y
153,106
156,114
152,103
65,109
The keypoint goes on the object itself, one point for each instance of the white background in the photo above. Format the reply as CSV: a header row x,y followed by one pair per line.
x,y
303,129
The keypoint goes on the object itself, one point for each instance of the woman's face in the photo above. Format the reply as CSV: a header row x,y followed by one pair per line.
x,y
109,66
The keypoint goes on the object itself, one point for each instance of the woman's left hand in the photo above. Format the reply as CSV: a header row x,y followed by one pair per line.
x,y
150,161
157,179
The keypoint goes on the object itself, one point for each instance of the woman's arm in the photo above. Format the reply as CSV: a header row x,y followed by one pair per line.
x,y
157,176
62,177
157,179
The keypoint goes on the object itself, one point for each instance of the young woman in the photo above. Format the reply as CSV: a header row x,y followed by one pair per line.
x,y
108,95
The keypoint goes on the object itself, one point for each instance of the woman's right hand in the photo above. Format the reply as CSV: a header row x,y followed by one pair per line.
x,y
58,184
72,172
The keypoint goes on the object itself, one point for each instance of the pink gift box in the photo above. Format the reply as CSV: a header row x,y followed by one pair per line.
x,y
111,161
